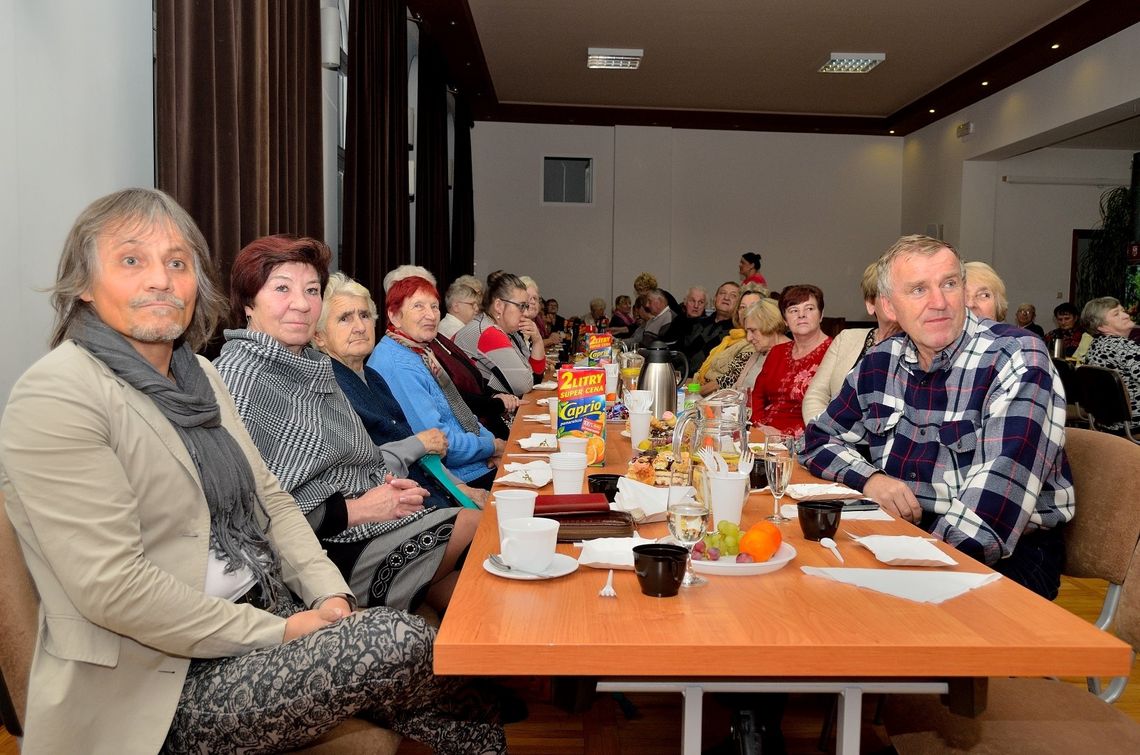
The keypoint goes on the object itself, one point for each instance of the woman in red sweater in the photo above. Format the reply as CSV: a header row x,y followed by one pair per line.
x,y
789,367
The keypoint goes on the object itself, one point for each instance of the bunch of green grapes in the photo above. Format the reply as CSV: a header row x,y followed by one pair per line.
x,y
725,541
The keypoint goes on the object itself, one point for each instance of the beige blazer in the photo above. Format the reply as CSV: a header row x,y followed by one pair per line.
x,y
837,362
115,529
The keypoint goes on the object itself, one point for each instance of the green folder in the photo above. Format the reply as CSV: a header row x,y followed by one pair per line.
x,y
434,466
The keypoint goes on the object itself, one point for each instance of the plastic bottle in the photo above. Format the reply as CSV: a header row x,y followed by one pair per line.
x,y
692,394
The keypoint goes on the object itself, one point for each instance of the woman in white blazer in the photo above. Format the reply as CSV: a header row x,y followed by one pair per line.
x,y
846,350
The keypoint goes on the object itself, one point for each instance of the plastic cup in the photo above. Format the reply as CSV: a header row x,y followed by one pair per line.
x,y
612,371
569,471
639,401
528,544
572,444
727,491
553,406
638,427
660,568
513,504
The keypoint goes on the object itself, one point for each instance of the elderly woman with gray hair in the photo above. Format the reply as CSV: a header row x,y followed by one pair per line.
x,y
346,331
1110,326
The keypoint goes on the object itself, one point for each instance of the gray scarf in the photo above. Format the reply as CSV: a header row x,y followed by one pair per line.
x,y
227,480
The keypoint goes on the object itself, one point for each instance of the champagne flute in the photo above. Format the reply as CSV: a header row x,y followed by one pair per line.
x,y
687,523
778,464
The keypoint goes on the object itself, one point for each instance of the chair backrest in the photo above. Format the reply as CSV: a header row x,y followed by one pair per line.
x,y
1127,623
1103,395
19,605
1068,375
1103,535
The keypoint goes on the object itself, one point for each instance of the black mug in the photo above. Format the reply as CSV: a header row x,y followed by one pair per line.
x,y
660,568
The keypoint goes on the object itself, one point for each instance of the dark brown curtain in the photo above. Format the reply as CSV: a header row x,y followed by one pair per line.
x,y
296,157
376,150
239,118
462,196
432,232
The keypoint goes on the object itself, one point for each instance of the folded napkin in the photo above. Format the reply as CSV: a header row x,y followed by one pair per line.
x,y
610,552
548,385
648,503
547,400
542,418
528,478
540,442
904,550
530,466
814,490
912,584
876,515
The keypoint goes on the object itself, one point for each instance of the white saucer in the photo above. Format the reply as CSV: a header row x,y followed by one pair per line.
x,y
560,567
625,434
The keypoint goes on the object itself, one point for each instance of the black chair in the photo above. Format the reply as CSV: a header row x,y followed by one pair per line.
x,y
1075,415
1105,397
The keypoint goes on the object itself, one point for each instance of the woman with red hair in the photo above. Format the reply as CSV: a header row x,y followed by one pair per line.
x,y
390,548
777,397
424,389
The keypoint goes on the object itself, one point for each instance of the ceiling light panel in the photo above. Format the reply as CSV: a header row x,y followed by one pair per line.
x,y
613,58
852,62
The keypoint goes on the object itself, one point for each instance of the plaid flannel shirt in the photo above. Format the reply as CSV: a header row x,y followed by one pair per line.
x,y
979,437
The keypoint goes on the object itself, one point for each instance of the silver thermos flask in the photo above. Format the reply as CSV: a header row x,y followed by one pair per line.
x,y
660,378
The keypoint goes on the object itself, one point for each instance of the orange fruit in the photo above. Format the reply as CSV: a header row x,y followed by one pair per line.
x,y
761,541
595,450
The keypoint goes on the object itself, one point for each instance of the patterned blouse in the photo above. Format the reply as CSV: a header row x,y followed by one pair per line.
x,y
779,391
1123,355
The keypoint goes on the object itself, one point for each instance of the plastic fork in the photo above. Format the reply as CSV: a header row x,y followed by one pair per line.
x,y
707,458
746,460
607,590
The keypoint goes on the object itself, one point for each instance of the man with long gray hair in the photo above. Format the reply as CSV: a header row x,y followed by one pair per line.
x,y
187,605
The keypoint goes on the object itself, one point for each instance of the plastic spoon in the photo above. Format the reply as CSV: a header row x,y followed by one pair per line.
x,y
830,544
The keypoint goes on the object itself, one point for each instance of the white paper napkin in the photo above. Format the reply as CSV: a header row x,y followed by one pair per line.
x,y
540,442
528,478
809,490
610,552
652,501
913,584
876,515
547,400
530,466
542,418
548,385
904,550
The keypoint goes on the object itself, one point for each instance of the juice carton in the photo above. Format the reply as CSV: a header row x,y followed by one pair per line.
x,y
599,348
582,409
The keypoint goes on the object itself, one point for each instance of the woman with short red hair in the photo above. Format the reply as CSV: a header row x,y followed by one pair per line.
x,y
777,397
424,389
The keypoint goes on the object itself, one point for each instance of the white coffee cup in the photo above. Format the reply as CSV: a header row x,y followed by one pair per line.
x,y
513,504
572,444
528,543
727,491
638,427
569,470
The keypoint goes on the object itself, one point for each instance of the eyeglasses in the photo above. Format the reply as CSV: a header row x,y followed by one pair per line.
x,y
520,305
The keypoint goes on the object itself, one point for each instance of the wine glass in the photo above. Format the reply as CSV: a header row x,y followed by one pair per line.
x,y
687,522
778,464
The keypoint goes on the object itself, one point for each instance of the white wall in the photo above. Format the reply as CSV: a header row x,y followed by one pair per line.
x,y
684,204
1034,223
76,79
1093,88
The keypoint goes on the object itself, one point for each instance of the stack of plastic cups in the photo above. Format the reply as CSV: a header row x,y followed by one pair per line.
x,y
569,472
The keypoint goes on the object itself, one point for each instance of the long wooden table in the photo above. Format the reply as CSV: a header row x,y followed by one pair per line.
x,y
784,630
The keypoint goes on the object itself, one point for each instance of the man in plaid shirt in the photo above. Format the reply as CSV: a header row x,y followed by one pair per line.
x,y
962,420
